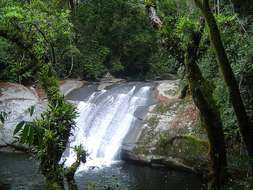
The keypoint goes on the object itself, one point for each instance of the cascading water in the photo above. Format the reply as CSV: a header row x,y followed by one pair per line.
x,y
109,121
105,118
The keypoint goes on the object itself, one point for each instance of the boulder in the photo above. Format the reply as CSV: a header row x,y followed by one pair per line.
x,y
68,86
108,80
156,161
169,118
16,99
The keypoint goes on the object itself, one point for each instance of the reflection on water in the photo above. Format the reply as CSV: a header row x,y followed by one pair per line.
x,y
18,172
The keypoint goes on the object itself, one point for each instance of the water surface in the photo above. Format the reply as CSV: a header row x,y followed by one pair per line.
x,y
19,172
108,120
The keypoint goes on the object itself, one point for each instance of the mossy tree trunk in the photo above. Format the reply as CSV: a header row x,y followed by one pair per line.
x,y
70,172
54,147
246,129
202,97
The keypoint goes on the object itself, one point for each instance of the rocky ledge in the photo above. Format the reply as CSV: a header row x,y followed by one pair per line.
x,y
156,162
171,135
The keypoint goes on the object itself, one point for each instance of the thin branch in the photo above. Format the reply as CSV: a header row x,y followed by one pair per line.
x,y
48,42
21,42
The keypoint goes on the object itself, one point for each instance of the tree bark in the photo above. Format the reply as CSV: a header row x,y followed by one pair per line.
x,y
70,172
244,124
210,115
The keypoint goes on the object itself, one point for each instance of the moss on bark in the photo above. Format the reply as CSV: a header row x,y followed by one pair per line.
x,y
202,97
244,124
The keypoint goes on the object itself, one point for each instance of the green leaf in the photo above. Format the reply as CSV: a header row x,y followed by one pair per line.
x,y
90,186
30,134
3,117
31,110
24,135
19,126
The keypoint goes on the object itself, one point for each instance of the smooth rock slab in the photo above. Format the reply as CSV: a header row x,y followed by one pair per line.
x,y
16,99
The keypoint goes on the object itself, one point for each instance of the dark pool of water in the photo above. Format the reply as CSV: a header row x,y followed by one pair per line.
x,y
19,172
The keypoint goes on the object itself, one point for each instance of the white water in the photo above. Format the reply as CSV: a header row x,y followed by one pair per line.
x,y
104,120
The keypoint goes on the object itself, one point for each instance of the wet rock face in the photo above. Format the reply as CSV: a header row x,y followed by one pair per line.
x,y
171,129
16,99
68,86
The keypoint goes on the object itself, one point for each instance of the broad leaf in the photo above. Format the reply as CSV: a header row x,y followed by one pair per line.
x,y
19,126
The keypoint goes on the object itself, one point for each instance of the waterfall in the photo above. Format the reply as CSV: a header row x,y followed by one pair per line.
x,y
104,120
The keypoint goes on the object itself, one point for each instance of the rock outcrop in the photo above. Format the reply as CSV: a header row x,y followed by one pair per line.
x,y
156,162
68,86
171,130
16,99
108,80
170,136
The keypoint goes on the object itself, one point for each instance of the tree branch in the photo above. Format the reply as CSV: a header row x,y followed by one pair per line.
x,y
21,42
48,42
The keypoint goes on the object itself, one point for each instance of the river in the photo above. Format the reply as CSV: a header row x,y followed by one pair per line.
x,y
109,118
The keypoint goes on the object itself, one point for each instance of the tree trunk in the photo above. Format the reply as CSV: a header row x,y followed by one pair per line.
x,y
210,116
70,172
72,5
209,113
243,121
243,7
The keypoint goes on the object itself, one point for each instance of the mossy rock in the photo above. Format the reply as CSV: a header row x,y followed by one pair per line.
x,y
192,150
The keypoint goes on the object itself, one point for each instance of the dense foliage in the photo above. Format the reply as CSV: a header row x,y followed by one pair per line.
x,y
117,39
43,40
236,32
45,30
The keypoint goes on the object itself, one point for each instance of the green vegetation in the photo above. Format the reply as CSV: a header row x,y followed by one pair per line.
x,y
49,135
117,38
153,121
44,41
